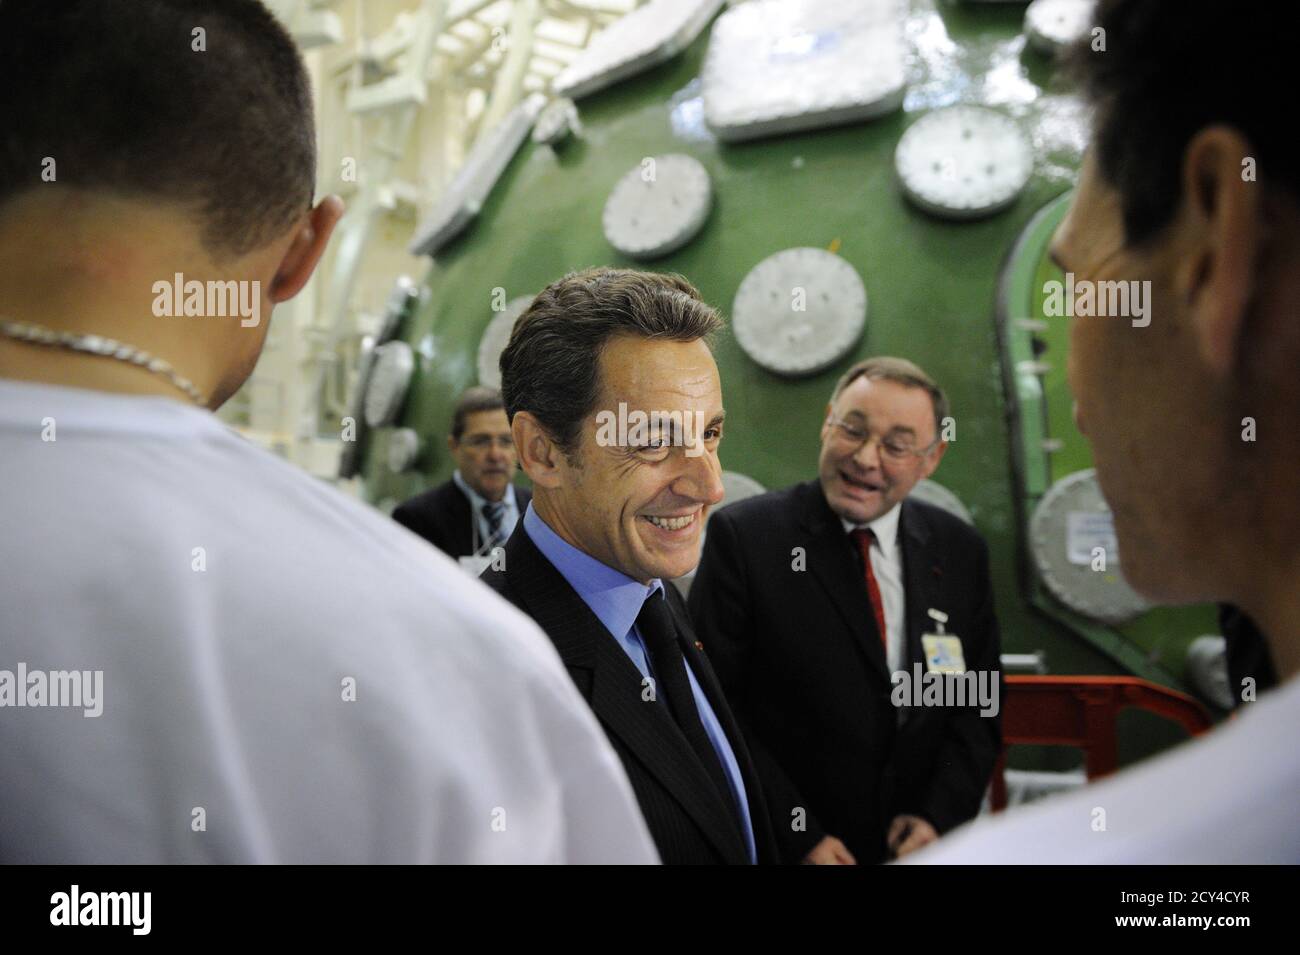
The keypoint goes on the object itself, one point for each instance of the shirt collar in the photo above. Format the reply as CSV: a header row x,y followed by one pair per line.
x,y
477,500
613,597
885,527
24,405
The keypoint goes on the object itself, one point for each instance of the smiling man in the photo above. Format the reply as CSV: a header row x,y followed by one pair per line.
x,y
615,513
811,600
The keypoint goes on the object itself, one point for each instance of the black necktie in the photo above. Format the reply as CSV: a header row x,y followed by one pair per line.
x,y
655,624
495,512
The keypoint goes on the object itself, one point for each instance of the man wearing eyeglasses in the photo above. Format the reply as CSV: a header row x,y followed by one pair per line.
x,y
810,599
474,513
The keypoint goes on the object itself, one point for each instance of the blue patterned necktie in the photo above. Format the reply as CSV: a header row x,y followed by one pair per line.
x,y
495,513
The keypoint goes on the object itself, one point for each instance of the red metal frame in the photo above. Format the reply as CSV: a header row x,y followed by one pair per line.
x,y
1081,711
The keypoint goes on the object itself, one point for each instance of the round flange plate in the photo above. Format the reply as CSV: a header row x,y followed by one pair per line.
x,y
658,206
495,338
1052,25
932,492
403,449
799,311
1070,533
390,378
963,162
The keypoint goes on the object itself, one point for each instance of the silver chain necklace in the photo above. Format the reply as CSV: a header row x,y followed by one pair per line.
x,y
105,348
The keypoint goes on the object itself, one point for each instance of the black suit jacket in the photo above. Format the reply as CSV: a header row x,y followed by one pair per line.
x,y
687,819
802,663
441,516
1247,653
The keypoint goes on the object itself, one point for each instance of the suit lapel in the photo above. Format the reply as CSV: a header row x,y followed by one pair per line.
x,y
645,728
922,576
458,517
708,680
831,562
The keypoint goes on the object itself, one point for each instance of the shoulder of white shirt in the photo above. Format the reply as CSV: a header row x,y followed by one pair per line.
x,y
1172,821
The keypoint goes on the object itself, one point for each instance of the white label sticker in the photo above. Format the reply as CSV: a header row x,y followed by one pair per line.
x,y
1088,530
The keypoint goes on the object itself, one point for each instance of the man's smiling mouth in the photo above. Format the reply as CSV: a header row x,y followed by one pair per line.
x,y
671,523
864,485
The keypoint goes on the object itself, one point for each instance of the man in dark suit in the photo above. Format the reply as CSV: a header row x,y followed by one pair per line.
x,y
478,508
616,409
812,599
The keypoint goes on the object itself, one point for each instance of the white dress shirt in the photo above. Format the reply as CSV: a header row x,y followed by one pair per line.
x,y
287,675
887,565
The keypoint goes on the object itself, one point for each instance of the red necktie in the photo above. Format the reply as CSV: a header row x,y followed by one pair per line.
x,y
863,536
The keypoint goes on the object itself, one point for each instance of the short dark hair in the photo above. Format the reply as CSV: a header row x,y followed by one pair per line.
x,y
114,93
1171,68
473,400
551,368
902,372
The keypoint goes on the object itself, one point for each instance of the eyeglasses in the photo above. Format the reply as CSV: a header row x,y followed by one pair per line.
x,y
850,435
481,442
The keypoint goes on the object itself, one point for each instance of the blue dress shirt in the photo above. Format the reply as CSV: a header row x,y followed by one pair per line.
x,y
616,600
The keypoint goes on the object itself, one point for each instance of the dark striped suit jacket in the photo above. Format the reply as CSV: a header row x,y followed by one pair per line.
x,y
441,515
685,815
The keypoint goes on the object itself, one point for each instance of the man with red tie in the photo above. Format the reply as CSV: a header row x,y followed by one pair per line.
x,y
818,604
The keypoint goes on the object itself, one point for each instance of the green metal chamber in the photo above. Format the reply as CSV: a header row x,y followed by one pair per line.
x,y
934,289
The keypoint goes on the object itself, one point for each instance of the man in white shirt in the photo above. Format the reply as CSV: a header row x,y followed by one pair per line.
x,y
1193,412
205,654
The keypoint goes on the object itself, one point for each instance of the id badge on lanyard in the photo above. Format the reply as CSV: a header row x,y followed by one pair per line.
x,y
943,651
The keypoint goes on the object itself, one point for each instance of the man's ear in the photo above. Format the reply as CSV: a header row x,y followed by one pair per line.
x,y
933,458
305,251
539,456
1221,217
